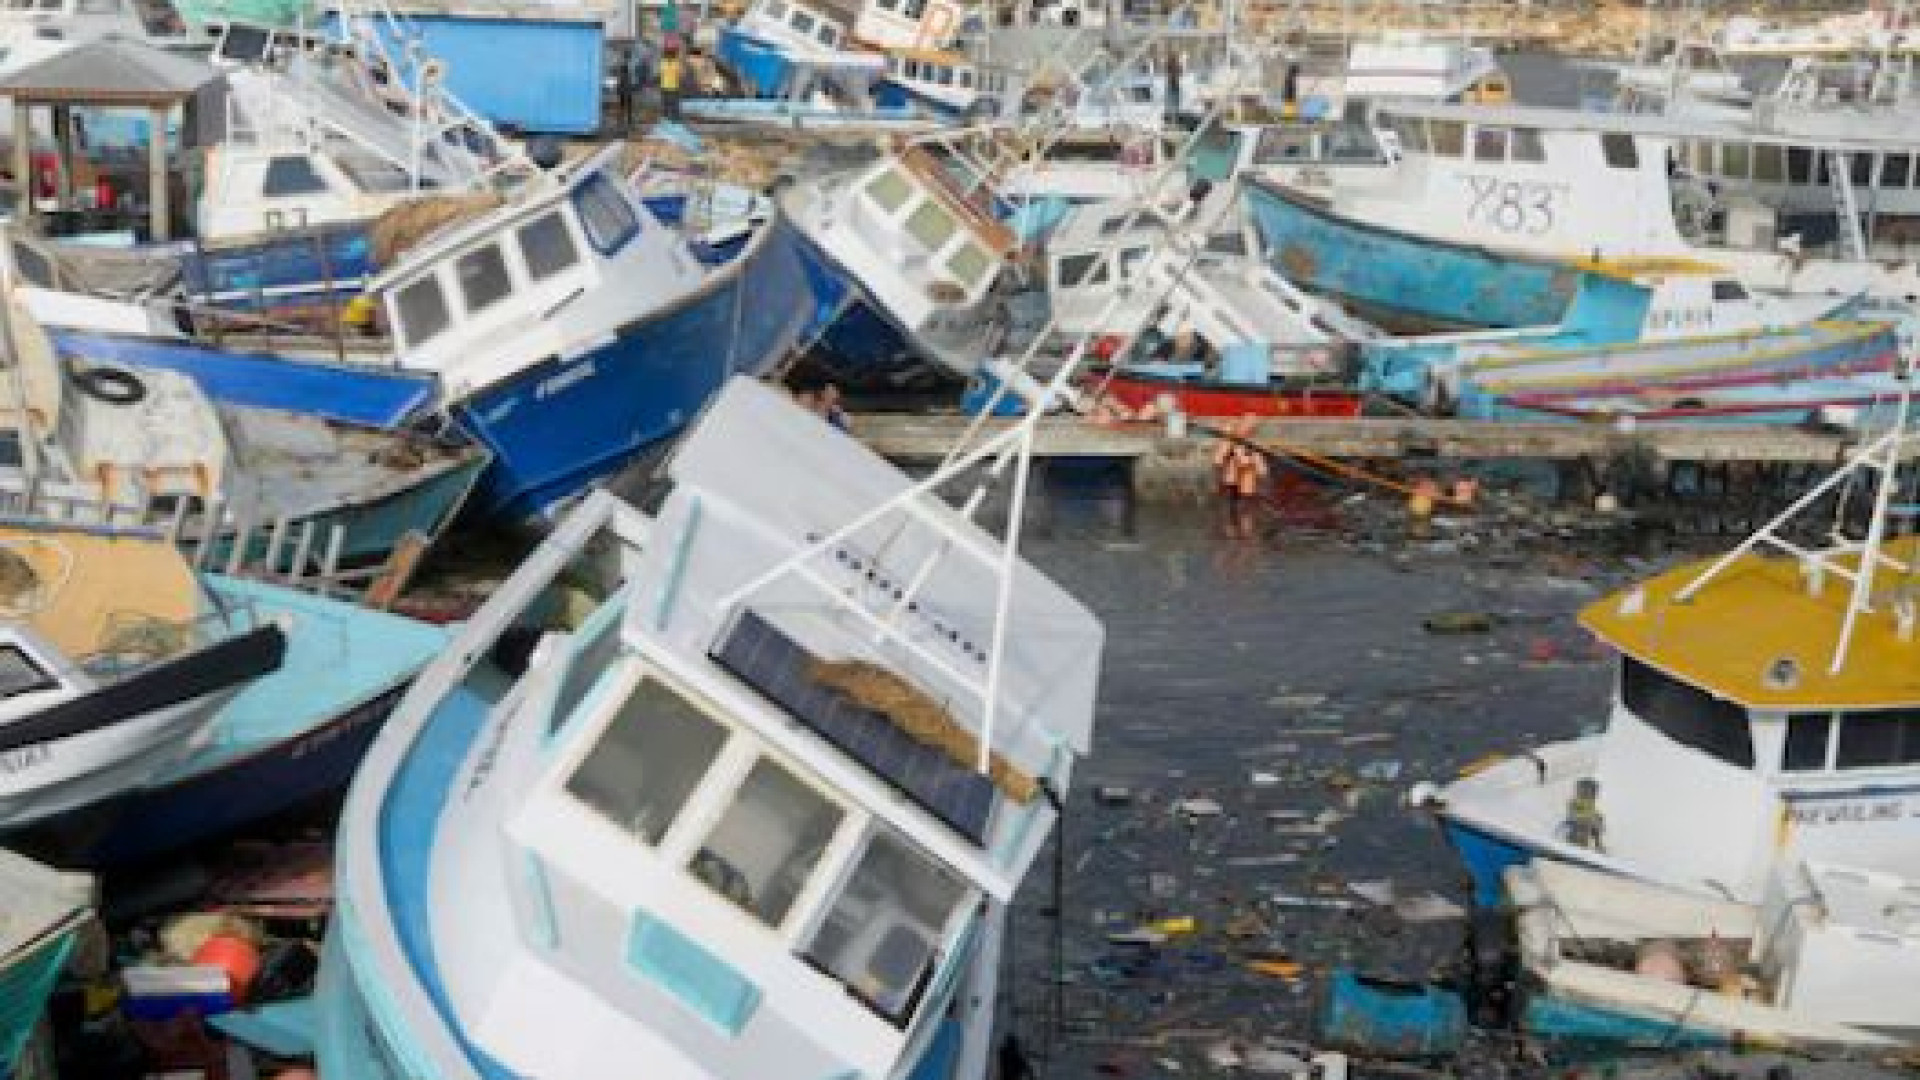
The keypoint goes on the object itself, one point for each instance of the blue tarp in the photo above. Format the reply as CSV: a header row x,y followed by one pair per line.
x,y
350,394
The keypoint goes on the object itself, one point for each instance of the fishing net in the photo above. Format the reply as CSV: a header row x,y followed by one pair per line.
x,y
400,229
913,712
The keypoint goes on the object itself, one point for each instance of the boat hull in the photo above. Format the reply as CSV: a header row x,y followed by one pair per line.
x,y
281,274
1403,278
557,426
1217,400
854,340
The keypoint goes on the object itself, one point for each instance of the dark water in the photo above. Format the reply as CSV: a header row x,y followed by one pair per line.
x,y
1300,655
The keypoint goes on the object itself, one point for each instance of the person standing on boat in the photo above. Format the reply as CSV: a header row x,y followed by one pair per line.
x,y
634,76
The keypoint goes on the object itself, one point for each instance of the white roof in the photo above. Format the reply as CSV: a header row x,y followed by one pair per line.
x,y
760,478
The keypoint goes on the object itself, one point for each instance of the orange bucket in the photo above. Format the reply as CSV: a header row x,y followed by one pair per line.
x,y
235,956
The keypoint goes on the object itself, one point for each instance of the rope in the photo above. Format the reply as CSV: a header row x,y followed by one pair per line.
x,y
37,592
1332,468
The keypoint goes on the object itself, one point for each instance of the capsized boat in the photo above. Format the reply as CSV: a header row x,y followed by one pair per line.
x,y
1764,713
1824,961
1616,306
740,789
43,916
1214,329
904,263
116,663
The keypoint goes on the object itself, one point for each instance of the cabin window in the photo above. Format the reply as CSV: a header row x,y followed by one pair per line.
x,y
547,246
35,267
1861,165
1130,259
1686,714
881,939
1800,166
1724,289
943,75
1882,737
1075,271
1279,144
606,215
828,35
1770,163
969,263
930,224
648,762
1736,160
889,5
483,278
1413,135
1618,149
1526,146
804,22
776,9
1448,137
1806,749
1489,144
890,190
913,9
19,674
766,844
1896,171
291,175
10,455
966,79
423,310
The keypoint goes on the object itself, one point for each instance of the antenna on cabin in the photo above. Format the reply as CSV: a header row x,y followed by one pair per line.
x,y
1857,562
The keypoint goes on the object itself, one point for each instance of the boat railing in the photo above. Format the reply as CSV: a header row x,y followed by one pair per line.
x,y
303,554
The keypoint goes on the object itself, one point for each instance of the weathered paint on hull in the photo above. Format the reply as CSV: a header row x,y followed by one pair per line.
x,y
1407,276
1224,401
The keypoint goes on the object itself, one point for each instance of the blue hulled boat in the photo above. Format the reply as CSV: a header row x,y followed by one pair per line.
x,y
1394,276
290,736
567,330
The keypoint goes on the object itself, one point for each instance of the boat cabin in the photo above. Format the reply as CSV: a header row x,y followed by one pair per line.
x,y
908,24
927,253
1727,702
950,82
794,25
472,301
759,827
1412,65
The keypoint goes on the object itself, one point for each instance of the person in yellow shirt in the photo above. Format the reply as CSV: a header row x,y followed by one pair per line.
x,y
670,85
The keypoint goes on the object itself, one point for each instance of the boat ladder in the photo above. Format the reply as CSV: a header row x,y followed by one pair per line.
x,y
1846,205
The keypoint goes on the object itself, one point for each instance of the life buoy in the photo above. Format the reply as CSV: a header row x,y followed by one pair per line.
x,y
117,386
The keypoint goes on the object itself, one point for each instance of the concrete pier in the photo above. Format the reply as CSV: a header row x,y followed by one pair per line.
x,y
926,437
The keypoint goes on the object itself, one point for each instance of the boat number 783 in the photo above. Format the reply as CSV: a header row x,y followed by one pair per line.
x,y
1512,206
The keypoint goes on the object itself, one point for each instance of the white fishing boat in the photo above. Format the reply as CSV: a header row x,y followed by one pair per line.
x,y
116,664
905,261
1876,30
1824,961
1183,267
1764,714
754,806
1481,208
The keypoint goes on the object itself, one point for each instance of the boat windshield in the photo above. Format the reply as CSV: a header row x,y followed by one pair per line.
x,y
883,936
1686,714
